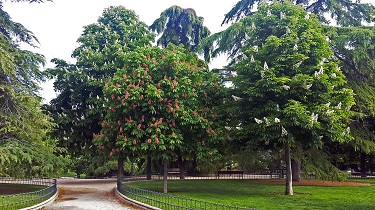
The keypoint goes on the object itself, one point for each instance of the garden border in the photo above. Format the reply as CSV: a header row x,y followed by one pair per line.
x,y
51,187
44,203
134,202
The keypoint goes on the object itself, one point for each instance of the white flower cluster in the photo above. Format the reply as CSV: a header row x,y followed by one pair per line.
x,y
284,132
346,131
320,72
266,121
314,118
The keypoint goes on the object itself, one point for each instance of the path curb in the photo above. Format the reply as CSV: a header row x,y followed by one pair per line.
x,y
44,203
134,202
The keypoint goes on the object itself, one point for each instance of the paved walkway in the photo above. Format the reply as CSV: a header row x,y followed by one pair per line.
x,y
86,194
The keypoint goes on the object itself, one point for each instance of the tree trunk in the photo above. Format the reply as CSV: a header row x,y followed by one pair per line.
x,y
289,182
149,165
371,166
132,166
120,171
165,176
296,170
181,166
363,164
280,165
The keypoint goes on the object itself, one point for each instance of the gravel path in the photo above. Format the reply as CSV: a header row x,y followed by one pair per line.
x,y
87,194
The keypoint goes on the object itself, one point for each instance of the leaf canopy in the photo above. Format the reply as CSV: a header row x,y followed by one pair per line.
x,y
180,26
156,101
102,47
343,12
290,86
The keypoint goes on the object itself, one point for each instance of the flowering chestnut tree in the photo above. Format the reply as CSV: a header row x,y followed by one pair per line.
x,y
162,100
99,53
290,90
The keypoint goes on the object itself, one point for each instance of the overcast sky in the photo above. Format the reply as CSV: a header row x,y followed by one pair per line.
x,y
58,24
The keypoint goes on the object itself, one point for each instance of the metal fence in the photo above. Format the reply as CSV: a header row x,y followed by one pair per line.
x,y
274,174
22,200
166,201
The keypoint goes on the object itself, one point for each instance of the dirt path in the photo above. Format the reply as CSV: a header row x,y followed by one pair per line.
x,y
81,194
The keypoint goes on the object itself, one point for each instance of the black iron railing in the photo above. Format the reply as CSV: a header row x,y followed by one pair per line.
x,y
166,201
23,200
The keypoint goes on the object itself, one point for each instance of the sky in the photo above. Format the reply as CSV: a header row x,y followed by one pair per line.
x,y
58,24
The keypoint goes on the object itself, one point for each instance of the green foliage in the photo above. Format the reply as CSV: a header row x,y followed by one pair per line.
x,y
288,88
344,12
294,88
101,50
319,164
103,169
22,159
180,26
354,47
20,110
161,100
13,31
257,161
25,151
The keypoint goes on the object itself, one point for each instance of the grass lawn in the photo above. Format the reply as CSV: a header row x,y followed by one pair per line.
x,y
254,194
363,180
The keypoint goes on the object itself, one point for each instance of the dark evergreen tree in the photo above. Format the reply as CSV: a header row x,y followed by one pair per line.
x,y
180,26
354,47
343,12
25,149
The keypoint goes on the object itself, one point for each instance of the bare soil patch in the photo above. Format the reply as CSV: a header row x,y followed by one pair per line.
x,y
310,182
8,189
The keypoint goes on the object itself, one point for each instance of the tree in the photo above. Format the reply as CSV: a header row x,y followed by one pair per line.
x,y
291,91
154,99
355,59
344,12
354,47
25,148
180,26
102,47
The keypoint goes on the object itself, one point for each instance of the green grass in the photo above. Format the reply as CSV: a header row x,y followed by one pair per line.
x,y
249,193
363,180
